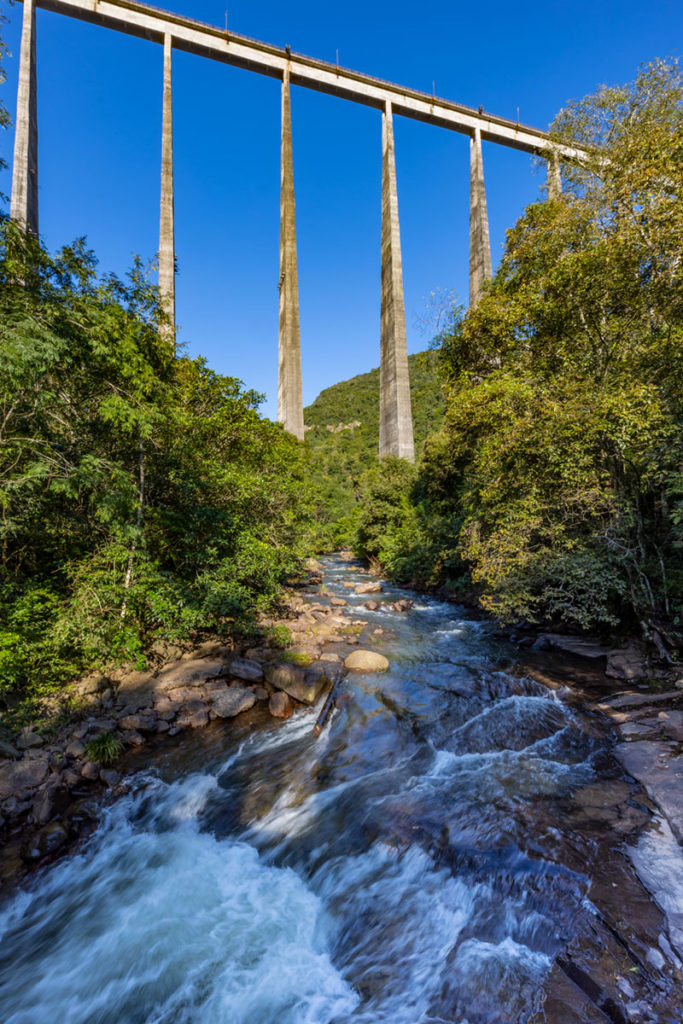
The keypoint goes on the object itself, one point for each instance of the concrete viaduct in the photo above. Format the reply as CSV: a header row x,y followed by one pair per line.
x,y
174,31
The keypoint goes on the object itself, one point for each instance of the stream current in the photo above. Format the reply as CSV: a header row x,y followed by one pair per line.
x,y
411,864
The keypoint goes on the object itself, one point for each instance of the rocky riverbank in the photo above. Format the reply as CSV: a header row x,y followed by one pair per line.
x,y
50,785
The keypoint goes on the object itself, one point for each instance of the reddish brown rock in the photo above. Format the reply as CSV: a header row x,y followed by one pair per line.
x,y
279,705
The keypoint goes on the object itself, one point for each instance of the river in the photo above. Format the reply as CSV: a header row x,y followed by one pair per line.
x,y
423,860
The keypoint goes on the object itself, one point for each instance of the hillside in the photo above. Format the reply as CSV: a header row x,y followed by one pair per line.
x,y
342,428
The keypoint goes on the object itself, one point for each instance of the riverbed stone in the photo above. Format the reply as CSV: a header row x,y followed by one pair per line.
x,y
91,770
280,705
304,685
44,842
43,805
193,716
248,669
368,588
110,777
7,750
193,672
372,606
162,725
29,740
132,738
659,769
628,663
139,723
233,702
404,605
603,794
366,661
339,602
22,775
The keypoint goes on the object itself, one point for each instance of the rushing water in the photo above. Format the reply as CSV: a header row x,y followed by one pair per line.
x,y
409,865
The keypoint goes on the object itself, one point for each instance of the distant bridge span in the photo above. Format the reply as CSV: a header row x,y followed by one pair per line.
x,y
175,31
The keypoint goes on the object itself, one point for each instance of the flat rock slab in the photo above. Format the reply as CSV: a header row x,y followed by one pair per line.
x,y
366,661
193,672
368,588
660,772
637,700
584,646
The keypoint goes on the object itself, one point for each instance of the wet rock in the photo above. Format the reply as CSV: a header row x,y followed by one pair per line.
x,y
603,794
348,584
109,777
586,647
368,588
279,705
132,738
75,748
233,702
629,663
46,841
162,726
404,605
193,717
91,771
22,775
29,740
636,700
366,661
7,750
338,602
71,778
304,685
660,771
372,606
260,693
248,669
331,657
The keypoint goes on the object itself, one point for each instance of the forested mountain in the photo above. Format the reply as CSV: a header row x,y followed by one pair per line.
x,y
342,429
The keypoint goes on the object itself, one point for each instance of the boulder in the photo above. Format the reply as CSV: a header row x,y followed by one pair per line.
x,y
43,805
371,606
110,777
366,661
233,702
279,705
339,602
247,669
628,663
302,684
94,683
404,605
7,750
260,693
132,738
29,739
21,775
368,588
162,726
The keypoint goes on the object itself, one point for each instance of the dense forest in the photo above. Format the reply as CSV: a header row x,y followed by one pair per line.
x,y
554,491
144,499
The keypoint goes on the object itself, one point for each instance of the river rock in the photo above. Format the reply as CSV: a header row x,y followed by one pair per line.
x,y
139,723
91,770
628,663
260,693
165,706
43,805
603,794
659,769
192,673
109,777
233,702
132,738
25,774
368,588
339,602
366,661
29,739
279,705
48,840
304,685
195,715
162,725
248,669
371,606
404,605
7,750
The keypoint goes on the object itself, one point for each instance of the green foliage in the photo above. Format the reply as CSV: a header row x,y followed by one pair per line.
x,y
280,635
142,497
104,749
556,481
343,434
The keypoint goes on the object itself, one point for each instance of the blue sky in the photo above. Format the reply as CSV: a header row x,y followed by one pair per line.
x,y
99,96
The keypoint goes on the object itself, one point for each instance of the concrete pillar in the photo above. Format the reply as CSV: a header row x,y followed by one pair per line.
x,y
167,218
395,414
24,204
290,407
480,246
554,177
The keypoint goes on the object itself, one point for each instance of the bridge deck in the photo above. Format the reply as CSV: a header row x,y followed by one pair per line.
x,y
208,41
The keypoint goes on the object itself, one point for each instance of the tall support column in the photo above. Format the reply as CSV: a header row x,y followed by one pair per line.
x,y
24,204
554,177
480,246
167,212
395,414
290,405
